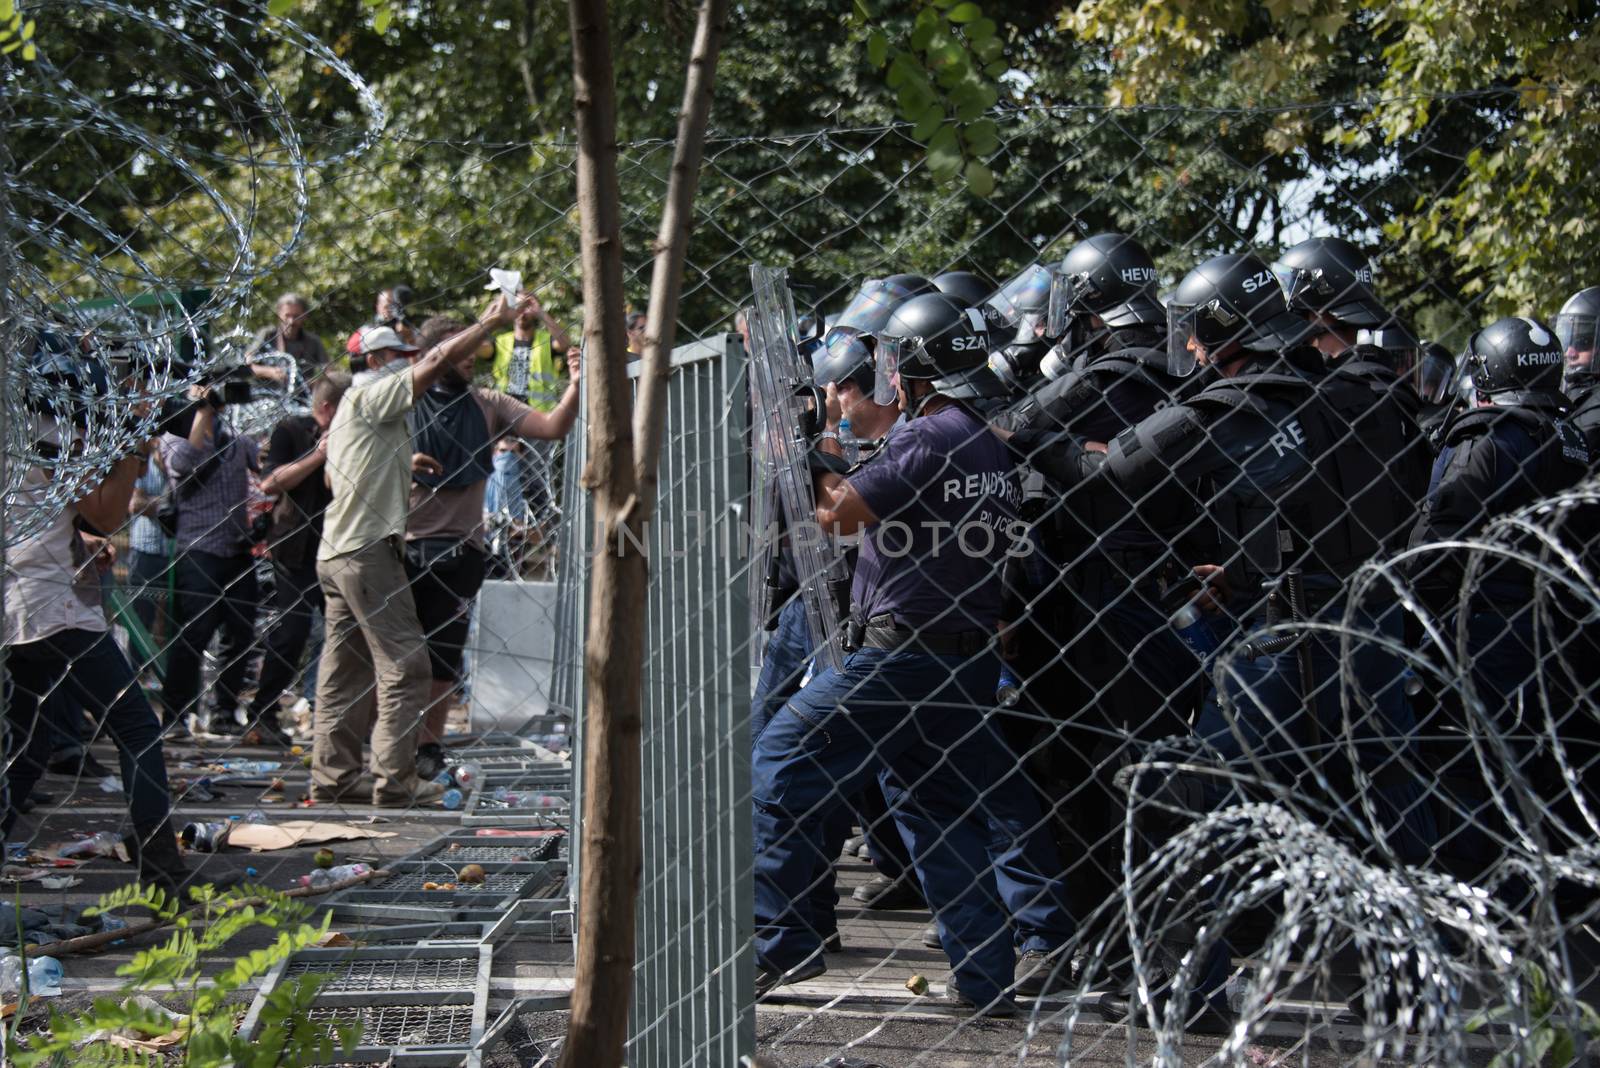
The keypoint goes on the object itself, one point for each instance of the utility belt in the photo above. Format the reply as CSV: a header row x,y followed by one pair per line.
x,y
881,632
426,553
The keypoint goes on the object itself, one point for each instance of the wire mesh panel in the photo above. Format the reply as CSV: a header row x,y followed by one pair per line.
x,y
1174,570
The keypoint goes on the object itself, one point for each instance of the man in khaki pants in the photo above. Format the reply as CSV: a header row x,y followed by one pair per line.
x,y
373,654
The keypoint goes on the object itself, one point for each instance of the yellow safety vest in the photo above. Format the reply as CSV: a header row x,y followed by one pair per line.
x,y
545,386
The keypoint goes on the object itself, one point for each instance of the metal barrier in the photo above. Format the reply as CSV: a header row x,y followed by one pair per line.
x,y
694,972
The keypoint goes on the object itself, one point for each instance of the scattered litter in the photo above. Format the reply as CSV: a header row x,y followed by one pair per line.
x,y
44,976
917,985
111,785
58,882
334,940
131,1039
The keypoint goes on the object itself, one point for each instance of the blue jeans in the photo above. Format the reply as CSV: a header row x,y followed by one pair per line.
x,y
1269,724
917,722
90,672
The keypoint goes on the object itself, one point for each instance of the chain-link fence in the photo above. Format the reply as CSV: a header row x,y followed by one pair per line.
x,y
1175,664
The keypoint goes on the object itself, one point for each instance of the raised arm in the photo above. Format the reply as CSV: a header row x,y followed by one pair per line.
x,y
497,317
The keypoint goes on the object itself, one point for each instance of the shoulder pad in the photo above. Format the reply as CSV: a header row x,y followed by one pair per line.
x,y
1480,421
1233,394
1573,446
1142,454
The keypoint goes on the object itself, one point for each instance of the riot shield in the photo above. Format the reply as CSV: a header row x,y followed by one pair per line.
x,y
781,403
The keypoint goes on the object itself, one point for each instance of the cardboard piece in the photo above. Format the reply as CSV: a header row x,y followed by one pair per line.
x,y
266,837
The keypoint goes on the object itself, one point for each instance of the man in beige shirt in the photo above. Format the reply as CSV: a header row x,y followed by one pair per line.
x,y
374,661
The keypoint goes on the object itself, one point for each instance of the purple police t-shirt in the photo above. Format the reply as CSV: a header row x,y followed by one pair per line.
x,y
946,498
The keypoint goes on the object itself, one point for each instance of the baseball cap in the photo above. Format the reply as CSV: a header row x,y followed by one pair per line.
x,y
376,338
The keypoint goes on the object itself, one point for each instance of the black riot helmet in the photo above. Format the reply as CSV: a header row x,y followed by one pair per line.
x,y
932,338
1228,299
963,287
1577,327
846,351
1330,276
1517,361
1108,275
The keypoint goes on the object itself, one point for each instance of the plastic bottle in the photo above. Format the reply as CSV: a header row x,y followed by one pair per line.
x,y
103,844
255,815
452,798
1196,632
10,976
848,443
1008,691
465,775
322,878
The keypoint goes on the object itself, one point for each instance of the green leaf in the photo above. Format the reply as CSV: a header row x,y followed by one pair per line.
x,y
944,153
964,12
923,33
7,9
877,48
380,21
994,70
982,137
928,123
980,180
279,8
982,30
988,50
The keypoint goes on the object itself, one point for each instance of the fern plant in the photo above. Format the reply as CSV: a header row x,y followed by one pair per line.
x,y
286,1037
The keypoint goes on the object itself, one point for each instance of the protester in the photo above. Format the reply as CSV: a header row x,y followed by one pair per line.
x,y
456,424
374,668
293,473
149,550
214,578
57,640
634,324
289,337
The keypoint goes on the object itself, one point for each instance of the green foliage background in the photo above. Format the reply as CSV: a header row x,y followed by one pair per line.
x,y
1456,139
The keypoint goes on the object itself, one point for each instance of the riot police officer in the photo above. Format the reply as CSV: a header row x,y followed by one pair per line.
x,y
1015,316
1577,327
1096,629
1267,448
963,287
934,506
1514,448
1377,367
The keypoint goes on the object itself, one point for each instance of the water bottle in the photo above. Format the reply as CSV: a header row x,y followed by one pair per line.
x,y
452,798
848,443
1196,632
103,844
322,878
465,775
443,779
1008,691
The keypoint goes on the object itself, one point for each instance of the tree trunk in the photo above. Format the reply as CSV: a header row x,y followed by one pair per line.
x,y
614,646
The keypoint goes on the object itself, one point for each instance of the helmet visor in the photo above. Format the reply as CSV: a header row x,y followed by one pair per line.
x,y
886,369
845,351
1029,291
1063,293
1578,334
1298,284
1183,324
1433,376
